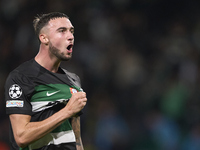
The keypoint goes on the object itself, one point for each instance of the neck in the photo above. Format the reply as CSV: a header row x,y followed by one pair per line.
x,y
43,58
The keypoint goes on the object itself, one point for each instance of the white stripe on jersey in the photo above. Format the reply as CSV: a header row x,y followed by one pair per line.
x,y
54,138
42,105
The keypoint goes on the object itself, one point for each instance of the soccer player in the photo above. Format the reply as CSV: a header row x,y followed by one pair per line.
x,y
43,100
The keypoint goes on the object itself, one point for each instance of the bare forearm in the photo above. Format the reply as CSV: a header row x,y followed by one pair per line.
x,y
76,129
39,129
26,132
79,144
33,131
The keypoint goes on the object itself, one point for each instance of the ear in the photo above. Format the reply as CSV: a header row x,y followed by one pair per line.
x,y
44,39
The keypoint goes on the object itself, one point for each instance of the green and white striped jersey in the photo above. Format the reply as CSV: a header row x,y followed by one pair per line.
x,y
33,90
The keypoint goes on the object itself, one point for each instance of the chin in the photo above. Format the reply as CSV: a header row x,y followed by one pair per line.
x,y
65,59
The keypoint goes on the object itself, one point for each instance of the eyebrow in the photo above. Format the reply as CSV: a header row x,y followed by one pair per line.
x,y
64,28
61,28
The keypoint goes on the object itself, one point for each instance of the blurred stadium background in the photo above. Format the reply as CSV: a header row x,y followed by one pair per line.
x,y
138,61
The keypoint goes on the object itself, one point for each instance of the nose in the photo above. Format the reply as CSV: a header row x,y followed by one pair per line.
x,y
70,36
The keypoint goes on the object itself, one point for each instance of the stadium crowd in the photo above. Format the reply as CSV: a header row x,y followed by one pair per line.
x,y
138,62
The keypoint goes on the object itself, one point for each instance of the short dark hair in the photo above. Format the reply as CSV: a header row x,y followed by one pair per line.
x,y
41,20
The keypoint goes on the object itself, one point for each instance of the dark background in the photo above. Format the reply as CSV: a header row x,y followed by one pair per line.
x,y
139,65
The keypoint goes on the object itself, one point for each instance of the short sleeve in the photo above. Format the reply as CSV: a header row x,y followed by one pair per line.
x,y
17,91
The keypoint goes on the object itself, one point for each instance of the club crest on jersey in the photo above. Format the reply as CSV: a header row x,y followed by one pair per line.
x,y
72,90
15,91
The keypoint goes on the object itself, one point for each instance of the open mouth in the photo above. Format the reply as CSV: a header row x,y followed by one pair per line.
x,y
69,47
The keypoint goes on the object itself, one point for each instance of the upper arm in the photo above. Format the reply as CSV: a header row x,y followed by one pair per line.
x,y
17,94
18,123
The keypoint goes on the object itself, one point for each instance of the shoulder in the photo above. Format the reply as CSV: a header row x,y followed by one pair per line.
x,y
22,72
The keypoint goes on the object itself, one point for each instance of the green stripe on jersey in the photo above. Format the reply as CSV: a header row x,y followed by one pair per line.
x,y
26,148
65,126
53,92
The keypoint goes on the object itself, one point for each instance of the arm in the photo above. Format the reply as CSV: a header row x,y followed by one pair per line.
x,y
76,129
26,132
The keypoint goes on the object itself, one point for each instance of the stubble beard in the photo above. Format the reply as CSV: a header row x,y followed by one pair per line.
x,y
57,53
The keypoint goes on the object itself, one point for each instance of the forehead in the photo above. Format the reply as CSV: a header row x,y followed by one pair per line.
x,y
59,22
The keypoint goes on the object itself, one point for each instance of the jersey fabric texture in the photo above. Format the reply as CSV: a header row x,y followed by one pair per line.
x,y
32,90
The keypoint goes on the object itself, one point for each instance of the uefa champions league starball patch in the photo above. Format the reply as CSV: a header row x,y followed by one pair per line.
x,y
15,91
